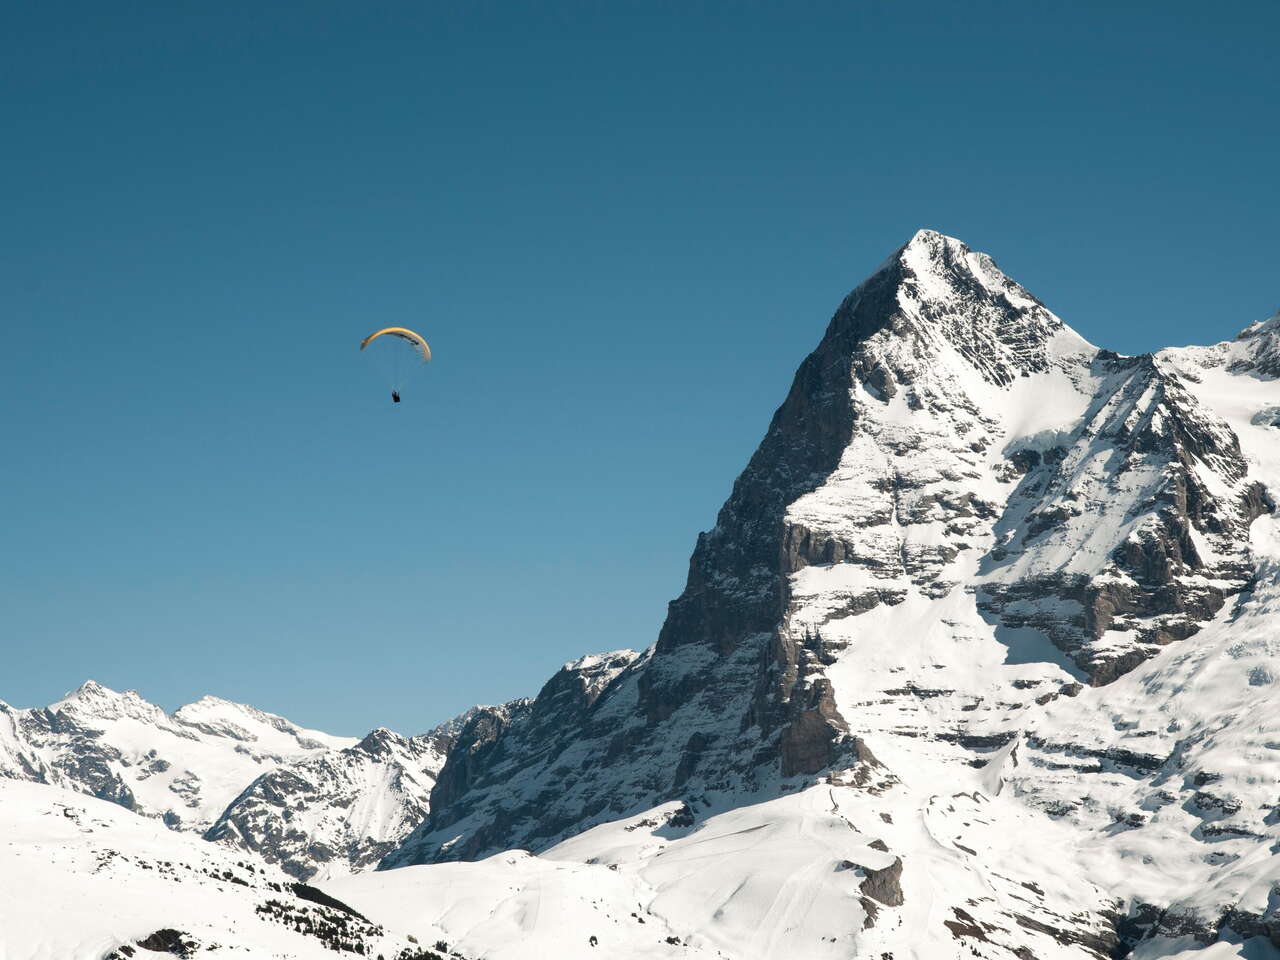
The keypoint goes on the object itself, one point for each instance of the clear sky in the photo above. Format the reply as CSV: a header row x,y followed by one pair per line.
x,y
621,226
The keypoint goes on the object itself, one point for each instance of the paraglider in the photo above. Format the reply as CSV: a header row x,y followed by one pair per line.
x,y
399,358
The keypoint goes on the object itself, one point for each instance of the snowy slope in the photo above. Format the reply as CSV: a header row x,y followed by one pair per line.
x,y
84,879
1173,771
812,875
815,874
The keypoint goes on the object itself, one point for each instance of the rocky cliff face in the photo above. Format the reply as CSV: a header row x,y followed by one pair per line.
x,y
963,519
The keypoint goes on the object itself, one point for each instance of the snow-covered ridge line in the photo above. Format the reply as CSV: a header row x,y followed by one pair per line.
x,y
315,803
182,767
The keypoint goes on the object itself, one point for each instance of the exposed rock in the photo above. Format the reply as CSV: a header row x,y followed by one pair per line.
x,y
170,941
885,886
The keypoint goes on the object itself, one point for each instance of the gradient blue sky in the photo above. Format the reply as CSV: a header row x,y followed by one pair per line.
x,y
621,227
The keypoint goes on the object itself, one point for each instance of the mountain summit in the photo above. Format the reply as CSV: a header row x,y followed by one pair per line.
x,y
949,298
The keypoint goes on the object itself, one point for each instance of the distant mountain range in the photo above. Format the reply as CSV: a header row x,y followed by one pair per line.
x,y
313,803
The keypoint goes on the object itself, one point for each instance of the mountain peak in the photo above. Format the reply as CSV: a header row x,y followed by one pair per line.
x,y
92,699
1260,327
923,240
90,688
932,238
953,309
943,266
380,742
1255,350
929,246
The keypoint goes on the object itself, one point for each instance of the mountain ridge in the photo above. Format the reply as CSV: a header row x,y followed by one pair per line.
x,y
313,803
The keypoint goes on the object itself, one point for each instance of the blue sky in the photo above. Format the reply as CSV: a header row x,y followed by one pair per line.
x,y
621,226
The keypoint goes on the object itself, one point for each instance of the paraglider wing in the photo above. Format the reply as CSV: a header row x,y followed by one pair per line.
x,y
404,334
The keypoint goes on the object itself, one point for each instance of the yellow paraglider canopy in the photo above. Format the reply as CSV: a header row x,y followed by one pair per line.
x,y
403,333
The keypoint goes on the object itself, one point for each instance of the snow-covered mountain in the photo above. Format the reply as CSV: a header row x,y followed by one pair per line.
x,y
979,660
978,576
339,811
183,768
313,803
